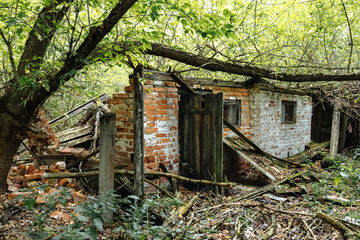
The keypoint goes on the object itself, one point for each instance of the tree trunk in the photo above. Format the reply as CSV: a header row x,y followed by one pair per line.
x,y
17,107
9,143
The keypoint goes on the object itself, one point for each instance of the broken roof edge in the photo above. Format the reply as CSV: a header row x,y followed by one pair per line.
x,y
259,83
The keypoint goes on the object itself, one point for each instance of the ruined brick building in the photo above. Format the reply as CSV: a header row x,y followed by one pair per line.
x,y
278,121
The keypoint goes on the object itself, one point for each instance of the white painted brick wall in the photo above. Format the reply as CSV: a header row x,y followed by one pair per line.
x,y
267,131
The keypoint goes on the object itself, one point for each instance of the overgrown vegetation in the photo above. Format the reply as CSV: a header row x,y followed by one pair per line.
x,y
338,186
333,191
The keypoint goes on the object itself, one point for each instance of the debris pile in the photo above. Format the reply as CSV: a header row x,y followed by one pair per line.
x,y
26,177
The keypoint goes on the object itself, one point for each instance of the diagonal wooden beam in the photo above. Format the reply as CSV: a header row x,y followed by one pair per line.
x,y
253,163
182,83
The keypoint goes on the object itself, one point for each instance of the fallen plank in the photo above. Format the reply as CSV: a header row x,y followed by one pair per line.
x,y
269,187
242,136
276,198
340,200
315,148
252,144
77,141
75,132
254,164
103,97
131,173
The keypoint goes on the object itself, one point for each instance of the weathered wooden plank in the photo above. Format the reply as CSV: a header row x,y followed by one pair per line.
x,y
182,83
75,132
107,156
138,134
242,136
77,141
254,164
186,136
335,127
196,129
308,153
78,109
218,125
207,134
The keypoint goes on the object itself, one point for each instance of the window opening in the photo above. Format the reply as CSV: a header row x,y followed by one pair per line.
x,y
231,112
288,112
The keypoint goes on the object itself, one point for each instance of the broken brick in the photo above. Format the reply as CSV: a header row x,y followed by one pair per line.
x,y
63,182
22,167
61,165
33,176
30,169
78,197
67,150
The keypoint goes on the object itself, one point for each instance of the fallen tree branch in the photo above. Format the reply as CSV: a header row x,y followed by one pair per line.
x,y
184,209
289,212
213,64
128,172
347,233
308,228
271,230
160,188
164,169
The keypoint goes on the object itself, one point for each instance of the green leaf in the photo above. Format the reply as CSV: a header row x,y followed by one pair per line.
x,y
228,26
231,34
337,180
134,197
184,22
98,224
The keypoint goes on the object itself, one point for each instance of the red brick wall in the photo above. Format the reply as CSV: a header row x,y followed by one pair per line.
x,y
160,124
161,112
122,105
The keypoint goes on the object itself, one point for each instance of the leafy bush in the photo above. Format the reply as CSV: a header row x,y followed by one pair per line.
x,y
87,217
134,218
141,220
341,182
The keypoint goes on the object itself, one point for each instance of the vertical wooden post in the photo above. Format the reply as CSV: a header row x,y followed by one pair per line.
x,y
196,129
335,127
107,156
138,133
218,144
344,125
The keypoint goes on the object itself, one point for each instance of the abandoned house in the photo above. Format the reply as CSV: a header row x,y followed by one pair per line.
x,y
185,126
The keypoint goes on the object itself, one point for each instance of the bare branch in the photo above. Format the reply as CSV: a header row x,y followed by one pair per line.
x,y
42,33
11,55
350,33
96,34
